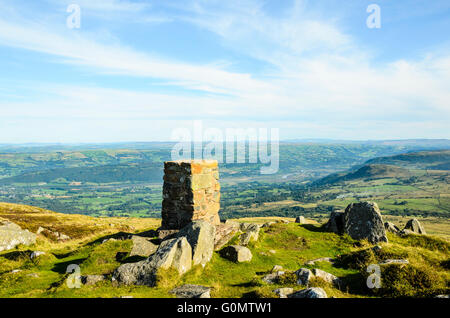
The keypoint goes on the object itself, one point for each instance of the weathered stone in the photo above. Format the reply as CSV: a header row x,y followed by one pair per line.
x,y
200,235
414,226
394,261
273,277
314,292
329,278
174,253
391,227
192,291
89,280
363,221
304,276
251,235
283,292
191,192
268,224
142,246
12,235
405,232
224,233
236,253
300,219
246,227
167,234
336,222
322,259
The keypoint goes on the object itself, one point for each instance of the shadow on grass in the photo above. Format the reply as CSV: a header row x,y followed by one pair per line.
x,y
313,228
61,268
14,256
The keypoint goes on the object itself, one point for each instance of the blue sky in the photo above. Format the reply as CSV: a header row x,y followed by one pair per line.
x,y
137,70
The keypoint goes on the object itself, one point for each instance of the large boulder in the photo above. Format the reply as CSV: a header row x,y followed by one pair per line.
x,y
363,221
236,253
314,292
336,222
174,253
200,235
191,291
12,235
414,226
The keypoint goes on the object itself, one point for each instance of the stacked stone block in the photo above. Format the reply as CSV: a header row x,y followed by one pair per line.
x,y
191,192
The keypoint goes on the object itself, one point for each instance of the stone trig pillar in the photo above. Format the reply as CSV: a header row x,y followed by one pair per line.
x,y
191,192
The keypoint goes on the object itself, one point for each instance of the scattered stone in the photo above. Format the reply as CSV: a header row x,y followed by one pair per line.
x,y
394,261
251,234
283,292
336,222
200,235
192,291
268,224
304,276
329,278
236,253
363,221
224,233
36,254
142,246
322,259
391,227
15,271
90,280
246,227
175,253
272,278
12,235
414,226
300,219
314,292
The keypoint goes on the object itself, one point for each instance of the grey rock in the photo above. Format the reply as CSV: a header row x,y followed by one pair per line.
x,y
142,246
336,222
224,233
363,221
414,226
200,235
329,278
405,232
236,253
322,259
268,224
90,280
304,276
273,277
277,268
394,261
391,227
192,291
283,292
251,234
12,235
314,292
36,254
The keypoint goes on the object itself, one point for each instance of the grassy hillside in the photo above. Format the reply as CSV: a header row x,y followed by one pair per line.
x,y
288,245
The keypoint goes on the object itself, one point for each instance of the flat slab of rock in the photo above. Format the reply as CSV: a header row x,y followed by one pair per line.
x,y
200,235
363,221
314,292
142,246
236,253
12,235
192,291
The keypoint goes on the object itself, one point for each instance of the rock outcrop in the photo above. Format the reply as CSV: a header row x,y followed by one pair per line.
x,y
414,226
200,235
174,253
12,235
363,221
192,291
391,227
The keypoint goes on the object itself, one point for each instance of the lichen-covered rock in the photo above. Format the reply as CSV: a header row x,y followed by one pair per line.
x,y
12,235
314,292
192,291
174,253
273,277
329,278
283,292
200,235
251,234
304,276
414,226
236,253
363,221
